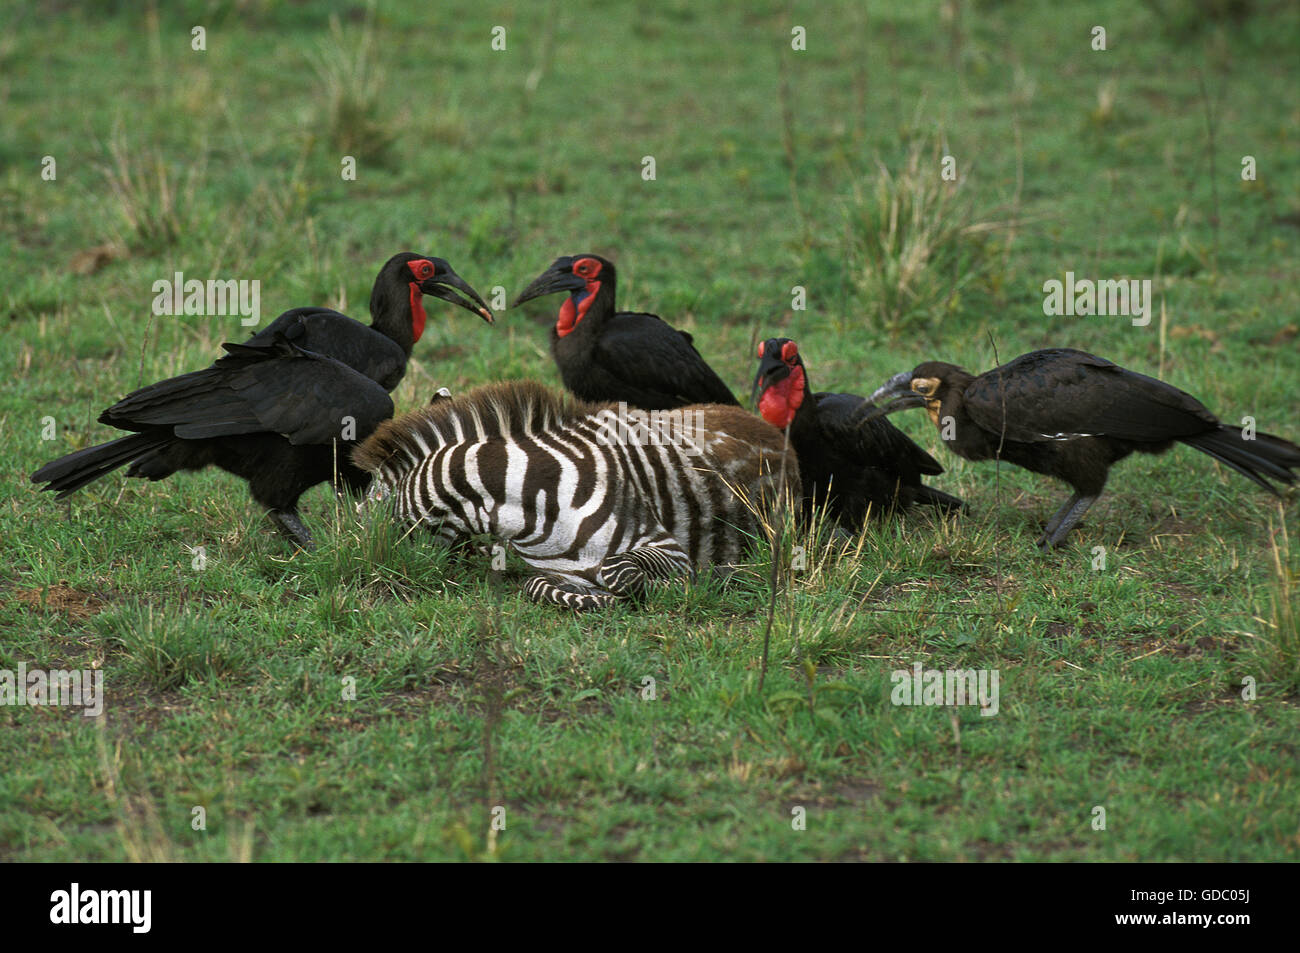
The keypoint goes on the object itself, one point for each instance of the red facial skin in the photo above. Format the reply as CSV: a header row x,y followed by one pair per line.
x,y
571,314
421,269
779,402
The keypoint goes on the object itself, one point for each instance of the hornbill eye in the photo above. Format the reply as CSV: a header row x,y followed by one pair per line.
x,y
422,269
586,268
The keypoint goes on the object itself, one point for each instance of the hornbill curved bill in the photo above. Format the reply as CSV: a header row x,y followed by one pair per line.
x,y
853,466
270,410
1072,415
609,355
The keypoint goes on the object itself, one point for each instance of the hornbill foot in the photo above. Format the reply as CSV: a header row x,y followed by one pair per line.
x,y
1066,518
1047,542
287,522
1055,522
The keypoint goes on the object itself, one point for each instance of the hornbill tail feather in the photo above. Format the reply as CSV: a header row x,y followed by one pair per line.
x,y
76,469
1261,459
929,496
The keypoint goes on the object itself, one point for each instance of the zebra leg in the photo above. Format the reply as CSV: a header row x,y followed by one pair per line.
x,y
543,589
630,574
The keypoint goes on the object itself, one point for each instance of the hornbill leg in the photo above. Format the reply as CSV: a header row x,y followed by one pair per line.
x,y
1055,521
287,522
1077,507
542,589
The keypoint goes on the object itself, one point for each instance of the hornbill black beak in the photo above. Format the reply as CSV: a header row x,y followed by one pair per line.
x,y
559,277
440,285
771,370
897,394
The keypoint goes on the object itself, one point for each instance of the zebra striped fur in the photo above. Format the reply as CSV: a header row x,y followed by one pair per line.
x,y
601,518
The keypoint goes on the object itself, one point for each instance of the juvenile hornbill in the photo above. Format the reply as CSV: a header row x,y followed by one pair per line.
x,y
270,410
851,465
609,355
1072,415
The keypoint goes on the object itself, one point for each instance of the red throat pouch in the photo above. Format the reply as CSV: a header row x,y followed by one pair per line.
x,y
779,402
418,315
567,319
571,314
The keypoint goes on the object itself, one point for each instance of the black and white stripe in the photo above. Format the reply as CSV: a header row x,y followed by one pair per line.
x,y
599,517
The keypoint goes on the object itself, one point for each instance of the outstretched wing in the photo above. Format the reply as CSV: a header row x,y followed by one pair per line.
x,y
1061,393
650,357
276,388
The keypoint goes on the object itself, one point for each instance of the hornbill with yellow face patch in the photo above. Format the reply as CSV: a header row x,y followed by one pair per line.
x,y
1072,415
610,355
272,408
853,466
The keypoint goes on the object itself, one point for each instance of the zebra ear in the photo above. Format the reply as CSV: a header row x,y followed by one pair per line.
x,y
442,394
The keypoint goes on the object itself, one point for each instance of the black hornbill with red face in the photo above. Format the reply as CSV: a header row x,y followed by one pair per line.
x,y
272,408
1072,415
852,466
610,355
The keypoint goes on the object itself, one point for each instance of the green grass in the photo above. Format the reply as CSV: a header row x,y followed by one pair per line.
x,y
1119,688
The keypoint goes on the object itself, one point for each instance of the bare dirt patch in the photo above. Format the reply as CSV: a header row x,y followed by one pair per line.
x,y
73,603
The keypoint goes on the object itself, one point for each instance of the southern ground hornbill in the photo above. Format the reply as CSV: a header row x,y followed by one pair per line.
x,y
271,409
609,355
851,466
1071,415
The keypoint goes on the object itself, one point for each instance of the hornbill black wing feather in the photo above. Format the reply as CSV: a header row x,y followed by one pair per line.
x,y
871,441
1061,393
256,389
135,410
324,331
650,356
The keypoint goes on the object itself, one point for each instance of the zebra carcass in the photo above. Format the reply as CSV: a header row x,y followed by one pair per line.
x,y
600,499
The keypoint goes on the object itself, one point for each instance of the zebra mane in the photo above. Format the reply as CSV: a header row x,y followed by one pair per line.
x,y
493,410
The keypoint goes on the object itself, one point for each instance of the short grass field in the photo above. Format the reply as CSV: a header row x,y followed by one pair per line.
x,y
1149,672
